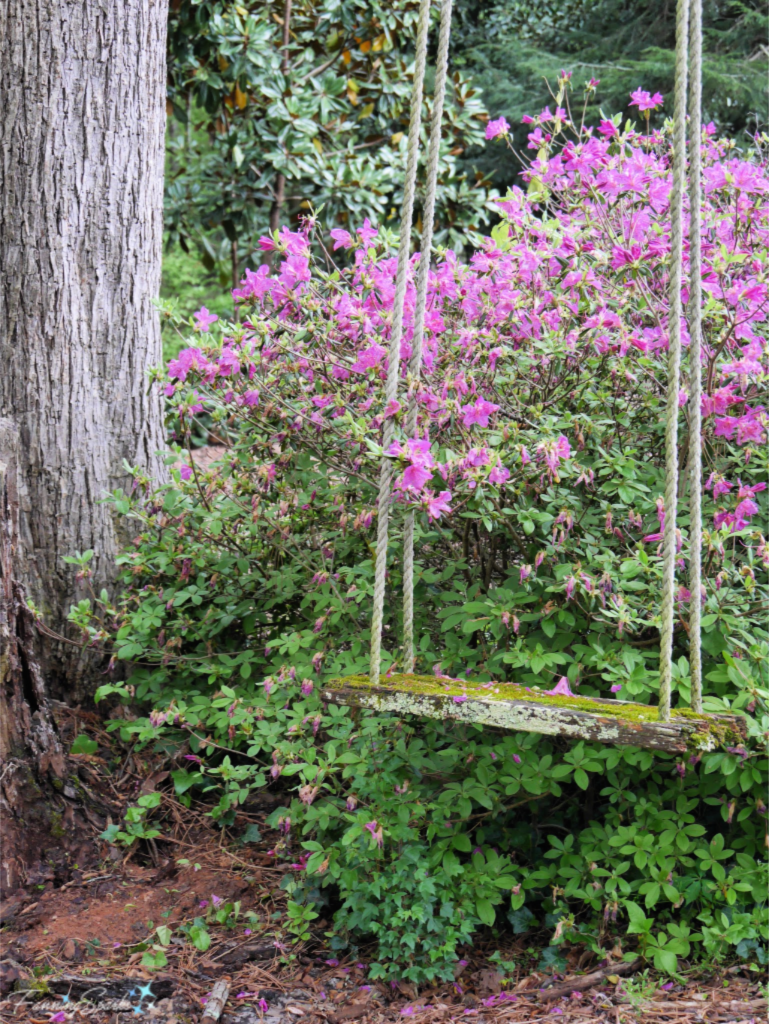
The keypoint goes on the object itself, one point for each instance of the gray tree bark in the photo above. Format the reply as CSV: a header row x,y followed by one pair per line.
x,y
82,119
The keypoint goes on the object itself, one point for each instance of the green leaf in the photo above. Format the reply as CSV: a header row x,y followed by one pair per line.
x,y
486,911
505,882
652,895
110,833
154,960
84,745
549,627
150,800
634,912
251,835
200,938
665,961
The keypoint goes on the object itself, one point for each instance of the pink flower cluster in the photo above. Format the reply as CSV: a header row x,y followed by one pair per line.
x,y
545,348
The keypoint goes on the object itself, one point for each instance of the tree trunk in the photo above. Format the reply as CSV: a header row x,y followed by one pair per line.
x,y
82,118
29,744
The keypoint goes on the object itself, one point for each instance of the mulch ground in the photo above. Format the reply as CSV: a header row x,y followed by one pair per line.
x,y
71,945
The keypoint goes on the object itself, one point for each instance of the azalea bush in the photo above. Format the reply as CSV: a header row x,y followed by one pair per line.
x,y
537,475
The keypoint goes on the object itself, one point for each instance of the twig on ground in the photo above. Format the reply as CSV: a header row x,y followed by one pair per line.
x,y
588,980
219,996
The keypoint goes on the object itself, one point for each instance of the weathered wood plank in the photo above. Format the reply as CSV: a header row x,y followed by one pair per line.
x,y
516,708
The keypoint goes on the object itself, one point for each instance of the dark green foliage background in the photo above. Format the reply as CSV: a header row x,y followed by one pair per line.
x,y
513,49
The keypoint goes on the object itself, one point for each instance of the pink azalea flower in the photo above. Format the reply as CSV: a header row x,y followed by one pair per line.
x,y
255,285
537,139
368,359
438,506
204,319
641,99
749,428
749,492
415,477
561,689
367,233
746,509
479,413
189,360
498,127
342,239
718,484
499,474
551,453
375,832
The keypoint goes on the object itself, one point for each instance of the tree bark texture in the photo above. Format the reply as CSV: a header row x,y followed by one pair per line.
x,y
29,744
82,119
26,723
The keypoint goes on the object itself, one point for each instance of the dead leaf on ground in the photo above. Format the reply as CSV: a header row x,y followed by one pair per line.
x,y
489,983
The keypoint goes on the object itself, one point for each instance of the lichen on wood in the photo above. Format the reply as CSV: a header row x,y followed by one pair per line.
x,y
527,709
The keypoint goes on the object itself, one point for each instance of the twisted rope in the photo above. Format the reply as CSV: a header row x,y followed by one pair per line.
x,y
415,364
674,361
695,357
393,366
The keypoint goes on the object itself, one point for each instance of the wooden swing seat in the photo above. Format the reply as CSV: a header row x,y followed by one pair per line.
x,y
524,709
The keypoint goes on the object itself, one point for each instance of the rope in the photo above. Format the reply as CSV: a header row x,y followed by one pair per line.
x,y
415,364
393,366
674,362
684,48
695,358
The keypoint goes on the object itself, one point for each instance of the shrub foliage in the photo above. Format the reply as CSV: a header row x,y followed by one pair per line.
x,y
538,475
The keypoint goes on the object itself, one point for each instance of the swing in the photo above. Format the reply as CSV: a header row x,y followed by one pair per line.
x,y
507,705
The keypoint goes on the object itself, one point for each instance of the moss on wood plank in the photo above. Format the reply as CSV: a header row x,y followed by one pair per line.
x,y
513,707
